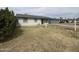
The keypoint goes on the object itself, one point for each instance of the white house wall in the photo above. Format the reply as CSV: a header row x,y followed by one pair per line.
x,y
30,22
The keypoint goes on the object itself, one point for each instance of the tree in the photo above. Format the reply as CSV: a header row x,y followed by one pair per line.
x,y
7,23
61,20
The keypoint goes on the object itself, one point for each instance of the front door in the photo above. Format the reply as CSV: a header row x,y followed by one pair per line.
x,y
44,21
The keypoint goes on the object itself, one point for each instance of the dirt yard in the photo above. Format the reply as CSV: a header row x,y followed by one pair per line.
x,y
40,39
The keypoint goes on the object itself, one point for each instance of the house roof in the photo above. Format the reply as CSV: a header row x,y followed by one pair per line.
x,y
31,16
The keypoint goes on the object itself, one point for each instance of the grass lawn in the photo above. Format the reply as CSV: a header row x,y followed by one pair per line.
x,y
38,39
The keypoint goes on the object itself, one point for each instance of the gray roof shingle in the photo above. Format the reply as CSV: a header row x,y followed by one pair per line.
x,y
31,16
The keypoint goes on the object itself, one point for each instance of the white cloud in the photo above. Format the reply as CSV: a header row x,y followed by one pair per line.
x,y
48,11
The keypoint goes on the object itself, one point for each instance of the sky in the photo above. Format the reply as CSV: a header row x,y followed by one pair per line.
x,y
65,12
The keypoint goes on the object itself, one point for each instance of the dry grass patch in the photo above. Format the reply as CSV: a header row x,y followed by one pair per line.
x,y
53,38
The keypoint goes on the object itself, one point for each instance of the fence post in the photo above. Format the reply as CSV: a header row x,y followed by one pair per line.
x,y
75,29
75,25
46,25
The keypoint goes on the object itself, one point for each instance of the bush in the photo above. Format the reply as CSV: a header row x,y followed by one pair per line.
x,y
7,23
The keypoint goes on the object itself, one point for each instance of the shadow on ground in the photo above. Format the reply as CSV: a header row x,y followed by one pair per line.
x,y
18,32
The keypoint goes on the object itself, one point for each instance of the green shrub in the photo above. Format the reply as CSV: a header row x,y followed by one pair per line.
x,y
7,23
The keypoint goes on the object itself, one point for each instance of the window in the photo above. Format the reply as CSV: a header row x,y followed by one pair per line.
x,y
35,20
24,20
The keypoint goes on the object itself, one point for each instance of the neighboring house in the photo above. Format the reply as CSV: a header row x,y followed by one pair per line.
x,y
31,20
